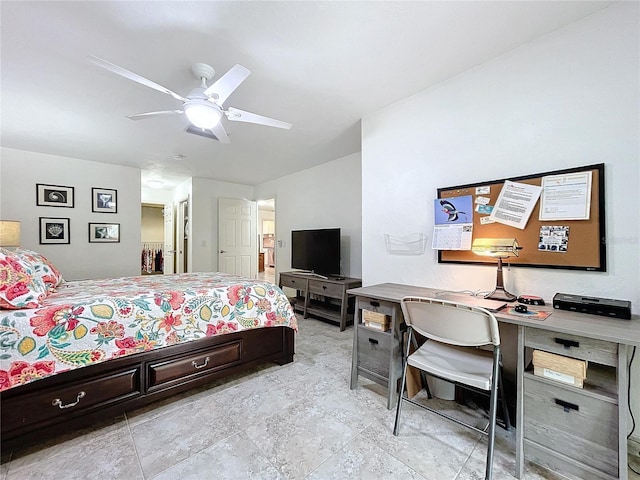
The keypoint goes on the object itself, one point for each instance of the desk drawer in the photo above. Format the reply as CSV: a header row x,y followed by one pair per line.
x,y
327,289
379,306
293,282
583,348
580,426
374,350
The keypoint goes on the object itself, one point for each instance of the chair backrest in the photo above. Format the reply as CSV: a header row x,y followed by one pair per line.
x,y
451,322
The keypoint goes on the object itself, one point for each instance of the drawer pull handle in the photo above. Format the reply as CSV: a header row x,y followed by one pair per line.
x,y
373,341
373,303
58,403
567,343
324,287
206,362
566,406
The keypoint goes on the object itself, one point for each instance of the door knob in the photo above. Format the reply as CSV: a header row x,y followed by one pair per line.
x,y
223,251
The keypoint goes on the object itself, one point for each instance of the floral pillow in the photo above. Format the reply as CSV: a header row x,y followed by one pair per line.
x,y
43,268
20,287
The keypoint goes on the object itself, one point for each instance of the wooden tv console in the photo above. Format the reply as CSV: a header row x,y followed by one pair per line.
x,y
322,297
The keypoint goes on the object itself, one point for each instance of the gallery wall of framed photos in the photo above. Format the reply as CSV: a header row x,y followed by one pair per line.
x,y
57,230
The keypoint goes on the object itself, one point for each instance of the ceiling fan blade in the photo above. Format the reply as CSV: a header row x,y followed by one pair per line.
x,y
142,116
133,76
226,84
237,115
219,131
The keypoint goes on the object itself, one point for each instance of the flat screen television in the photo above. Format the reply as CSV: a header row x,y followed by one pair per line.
x,y
316,251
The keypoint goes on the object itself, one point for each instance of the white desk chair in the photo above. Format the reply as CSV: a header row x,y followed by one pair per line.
x,y
454,331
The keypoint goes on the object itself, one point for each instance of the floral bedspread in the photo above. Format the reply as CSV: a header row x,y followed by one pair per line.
x,y
87,322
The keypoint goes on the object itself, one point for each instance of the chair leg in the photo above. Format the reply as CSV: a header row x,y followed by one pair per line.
x,y
505,408
493,402
405,363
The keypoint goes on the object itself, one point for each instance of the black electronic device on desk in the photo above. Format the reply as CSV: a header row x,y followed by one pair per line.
x,y
606,307
530,300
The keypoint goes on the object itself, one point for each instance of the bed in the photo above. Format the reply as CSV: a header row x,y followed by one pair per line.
x,y
83,351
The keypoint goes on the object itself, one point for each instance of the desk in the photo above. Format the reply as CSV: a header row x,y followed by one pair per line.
x,y
586,439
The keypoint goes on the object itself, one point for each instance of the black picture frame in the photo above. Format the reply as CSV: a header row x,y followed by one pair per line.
x,y
104,232
104,200
55,231
54,195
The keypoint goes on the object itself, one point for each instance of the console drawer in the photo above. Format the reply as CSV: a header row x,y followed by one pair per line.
x,y
374,350
583,348
327,289
293,282
194,364
581,426
54,403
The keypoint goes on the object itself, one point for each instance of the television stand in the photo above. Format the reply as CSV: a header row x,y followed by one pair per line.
x,y
322,297
310,274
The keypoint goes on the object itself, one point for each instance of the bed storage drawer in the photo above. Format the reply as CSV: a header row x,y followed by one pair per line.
x,y
194,364
583,427
51,405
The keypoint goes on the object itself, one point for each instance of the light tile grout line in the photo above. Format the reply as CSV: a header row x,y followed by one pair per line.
x,y
135,447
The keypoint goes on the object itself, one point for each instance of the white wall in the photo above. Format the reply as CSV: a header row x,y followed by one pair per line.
x,y
204,219
20,171
152,224
567,99
325,196
159,196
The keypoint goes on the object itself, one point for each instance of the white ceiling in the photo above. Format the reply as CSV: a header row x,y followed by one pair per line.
x,y
319,65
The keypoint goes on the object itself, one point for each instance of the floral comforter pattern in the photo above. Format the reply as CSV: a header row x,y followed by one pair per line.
x,y
90,321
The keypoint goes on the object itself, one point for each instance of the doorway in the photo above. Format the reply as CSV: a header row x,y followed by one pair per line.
x,y
267,240
182,236
152,235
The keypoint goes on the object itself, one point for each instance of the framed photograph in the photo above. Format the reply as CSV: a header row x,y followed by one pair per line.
x,y
54,195
104,232
54,230
104,200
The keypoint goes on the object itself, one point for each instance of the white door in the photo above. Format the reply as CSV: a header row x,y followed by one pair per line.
x,y
169,252
238,237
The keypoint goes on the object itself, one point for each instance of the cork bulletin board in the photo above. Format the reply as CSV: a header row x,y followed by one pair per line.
x,y
586,245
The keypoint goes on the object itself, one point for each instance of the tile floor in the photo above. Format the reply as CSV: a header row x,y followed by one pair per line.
x,y
268,274
298,421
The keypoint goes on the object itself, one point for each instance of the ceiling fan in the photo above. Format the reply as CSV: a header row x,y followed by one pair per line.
x,y
203,106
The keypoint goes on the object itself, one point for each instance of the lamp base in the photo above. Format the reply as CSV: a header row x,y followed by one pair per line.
x,y
501,294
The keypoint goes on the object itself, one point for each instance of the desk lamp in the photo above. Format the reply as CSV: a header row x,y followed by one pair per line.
x,y
9,233
500,248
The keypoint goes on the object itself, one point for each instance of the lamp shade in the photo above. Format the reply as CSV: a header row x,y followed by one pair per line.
x,y
496,247
500,248
9,233
202,113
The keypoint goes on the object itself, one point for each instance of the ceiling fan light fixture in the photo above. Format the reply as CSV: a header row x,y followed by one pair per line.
x,y
155,183
202,114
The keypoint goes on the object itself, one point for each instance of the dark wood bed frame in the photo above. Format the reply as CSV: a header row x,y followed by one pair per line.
x,y
84,396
